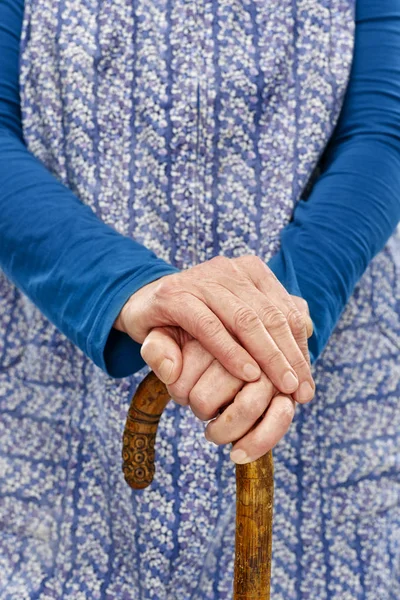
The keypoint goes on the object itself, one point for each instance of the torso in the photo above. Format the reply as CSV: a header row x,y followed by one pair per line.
x,y
192,126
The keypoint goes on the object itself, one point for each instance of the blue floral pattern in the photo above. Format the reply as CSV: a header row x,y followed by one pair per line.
x,y
193,126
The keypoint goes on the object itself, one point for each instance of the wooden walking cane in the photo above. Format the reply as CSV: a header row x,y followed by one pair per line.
x,y
254,490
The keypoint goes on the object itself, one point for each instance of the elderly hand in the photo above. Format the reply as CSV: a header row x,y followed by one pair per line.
x,y
238,311
255,415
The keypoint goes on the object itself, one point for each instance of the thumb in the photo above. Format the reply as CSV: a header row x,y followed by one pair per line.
x,y
161,351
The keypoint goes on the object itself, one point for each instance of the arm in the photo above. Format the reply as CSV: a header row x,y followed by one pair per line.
x,y
47,234
354,205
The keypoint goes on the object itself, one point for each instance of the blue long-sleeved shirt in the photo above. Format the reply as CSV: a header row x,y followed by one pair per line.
x,y
80,276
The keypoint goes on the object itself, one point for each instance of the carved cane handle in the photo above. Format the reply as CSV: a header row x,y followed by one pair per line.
x,y
138,454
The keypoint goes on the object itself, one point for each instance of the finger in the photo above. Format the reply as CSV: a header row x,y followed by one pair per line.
x,y
238,418
196,360
267,433
203,324
264,331
302,306
289,333
296,312
304,394
161,351
215,388
288,329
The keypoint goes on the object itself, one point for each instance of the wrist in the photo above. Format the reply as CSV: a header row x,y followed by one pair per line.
x,y
130,317
119,322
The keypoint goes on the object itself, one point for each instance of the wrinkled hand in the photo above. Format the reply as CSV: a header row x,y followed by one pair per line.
x,y
238,311
254,415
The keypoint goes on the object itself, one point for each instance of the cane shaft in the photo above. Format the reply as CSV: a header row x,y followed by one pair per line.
x,y
254,505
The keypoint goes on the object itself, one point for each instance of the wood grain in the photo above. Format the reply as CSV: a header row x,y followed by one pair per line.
x,y
138,452
254,509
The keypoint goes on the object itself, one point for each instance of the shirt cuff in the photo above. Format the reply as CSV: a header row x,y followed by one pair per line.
x,y
114,351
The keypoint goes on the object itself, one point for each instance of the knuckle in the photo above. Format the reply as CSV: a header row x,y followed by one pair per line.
x,y
302,305
207,325
258,262
284,412
251,409
201,405
273,318
176,398
179,389
250,261
230,353
246,319
166,287
300,364
220,262
296,322
274,356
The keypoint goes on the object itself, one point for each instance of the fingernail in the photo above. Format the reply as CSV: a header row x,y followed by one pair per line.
x,y
251,372
240,457
290,382
306,392
165,370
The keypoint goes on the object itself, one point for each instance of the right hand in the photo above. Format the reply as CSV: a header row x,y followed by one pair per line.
x,y
238,311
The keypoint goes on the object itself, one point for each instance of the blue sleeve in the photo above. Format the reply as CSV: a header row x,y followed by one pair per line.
x,y
354,205
75,268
